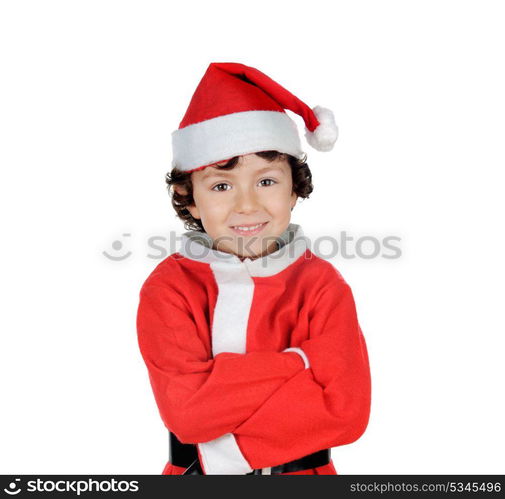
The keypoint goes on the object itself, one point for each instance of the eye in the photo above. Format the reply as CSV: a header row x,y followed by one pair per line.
x,y
268,179
217,185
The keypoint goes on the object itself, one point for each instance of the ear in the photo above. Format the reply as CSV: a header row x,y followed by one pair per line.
x,y
179,189
195,213
294,199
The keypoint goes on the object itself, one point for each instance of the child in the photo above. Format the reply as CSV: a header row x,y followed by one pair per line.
x,y
252,344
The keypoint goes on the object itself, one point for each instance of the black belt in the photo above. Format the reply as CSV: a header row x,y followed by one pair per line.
x,y
186,456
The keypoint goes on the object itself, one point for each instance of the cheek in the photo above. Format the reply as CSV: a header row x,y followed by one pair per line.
x,y
210,208
280,201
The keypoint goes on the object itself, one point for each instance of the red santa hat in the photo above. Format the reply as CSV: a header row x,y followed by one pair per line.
x,y
236,110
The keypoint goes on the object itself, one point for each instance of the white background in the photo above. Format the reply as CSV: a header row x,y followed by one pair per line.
x,y
90,92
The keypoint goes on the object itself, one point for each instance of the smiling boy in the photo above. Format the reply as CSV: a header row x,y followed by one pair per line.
x,y
253,199
254,351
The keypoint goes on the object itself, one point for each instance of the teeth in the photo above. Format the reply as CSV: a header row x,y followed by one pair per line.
x,y
248,228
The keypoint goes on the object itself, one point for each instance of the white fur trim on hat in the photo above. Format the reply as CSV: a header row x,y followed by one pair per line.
x,y
325,135
232,135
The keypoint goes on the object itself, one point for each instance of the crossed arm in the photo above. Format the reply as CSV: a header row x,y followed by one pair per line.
x,y
257,409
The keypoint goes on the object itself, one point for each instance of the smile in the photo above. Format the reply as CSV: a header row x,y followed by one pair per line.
x,y
248,230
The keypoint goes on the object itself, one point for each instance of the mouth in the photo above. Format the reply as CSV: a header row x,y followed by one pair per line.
x,y
248,229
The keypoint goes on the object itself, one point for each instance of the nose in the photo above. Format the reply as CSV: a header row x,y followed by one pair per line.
x,y
246,201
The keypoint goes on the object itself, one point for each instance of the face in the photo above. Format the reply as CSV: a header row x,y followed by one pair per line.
x,y
255,192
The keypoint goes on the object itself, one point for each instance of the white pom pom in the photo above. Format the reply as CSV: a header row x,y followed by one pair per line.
x,y
325,135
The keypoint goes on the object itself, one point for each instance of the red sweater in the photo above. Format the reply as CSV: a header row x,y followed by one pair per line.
x,y
213,332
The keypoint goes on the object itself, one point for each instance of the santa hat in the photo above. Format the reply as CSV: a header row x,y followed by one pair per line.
x,y
236,110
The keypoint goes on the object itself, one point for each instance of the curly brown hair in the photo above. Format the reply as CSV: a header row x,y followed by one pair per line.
x,y
300,174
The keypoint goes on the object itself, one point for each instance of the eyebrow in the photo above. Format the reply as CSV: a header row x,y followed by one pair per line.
x,y
215,172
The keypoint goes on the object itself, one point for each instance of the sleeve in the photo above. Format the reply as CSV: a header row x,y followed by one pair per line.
x,y
201,398
325,405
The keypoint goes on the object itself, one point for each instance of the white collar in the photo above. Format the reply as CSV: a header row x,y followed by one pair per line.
x,y
292,243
